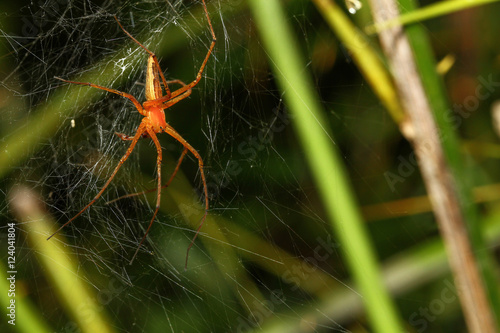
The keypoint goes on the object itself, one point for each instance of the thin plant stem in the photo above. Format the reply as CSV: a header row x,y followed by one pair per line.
x,y
452,148
325,162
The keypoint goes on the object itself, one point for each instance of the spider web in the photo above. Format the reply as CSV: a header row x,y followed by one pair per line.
x,y
255,264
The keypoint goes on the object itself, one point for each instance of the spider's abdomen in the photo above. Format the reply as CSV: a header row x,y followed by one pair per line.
x,y
157,118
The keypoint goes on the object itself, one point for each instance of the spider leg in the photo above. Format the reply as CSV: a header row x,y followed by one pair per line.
x,y
167,101
158,193
177,81
126,137
137,136
151,55
173,133
114,91
202,68
184,152
185,91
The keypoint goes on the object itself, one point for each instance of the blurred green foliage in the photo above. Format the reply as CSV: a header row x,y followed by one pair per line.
x,y
266,259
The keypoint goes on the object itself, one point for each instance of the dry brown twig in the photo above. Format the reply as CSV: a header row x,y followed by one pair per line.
x,y
437,177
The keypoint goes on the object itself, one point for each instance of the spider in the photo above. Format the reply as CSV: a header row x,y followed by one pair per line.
x,y
153,123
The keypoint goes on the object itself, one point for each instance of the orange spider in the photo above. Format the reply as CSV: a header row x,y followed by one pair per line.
x,y
154,122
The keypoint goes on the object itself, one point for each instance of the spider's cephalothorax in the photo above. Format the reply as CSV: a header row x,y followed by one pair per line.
x,y
154,122
156,118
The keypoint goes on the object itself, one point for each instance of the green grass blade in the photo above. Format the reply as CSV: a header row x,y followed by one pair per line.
x,y
324,161
365,57
60,265
406,272
27,318
431,11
